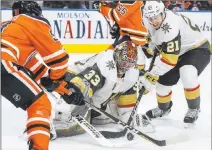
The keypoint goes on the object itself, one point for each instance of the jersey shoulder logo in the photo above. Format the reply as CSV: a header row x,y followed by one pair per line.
x,y
166,27
110,65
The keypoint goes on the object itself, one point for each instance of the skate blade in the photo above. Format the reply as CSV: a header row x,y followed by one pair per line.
x,y
189,125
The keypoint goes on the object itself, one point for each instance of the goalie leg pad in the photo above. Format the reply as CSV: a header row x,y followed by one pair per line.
x,y
127,99
126,103
99,119
65,126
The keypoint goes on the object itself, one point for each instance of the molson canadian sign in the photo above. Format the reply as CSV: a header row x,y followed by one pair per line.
x,y
88,31
80,31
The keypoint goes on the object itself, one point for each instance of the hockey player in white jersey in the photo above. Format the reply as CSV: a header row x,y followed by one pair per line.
x,y
111,71
184,53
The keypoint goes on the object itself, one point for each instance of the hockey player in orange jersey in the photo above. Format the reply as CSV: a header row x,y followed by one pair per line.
x,y
128,18
25,35
125,17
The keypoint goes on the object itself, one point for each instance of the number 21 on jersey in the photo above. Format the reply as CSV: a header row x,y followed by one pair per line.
x,y
173,46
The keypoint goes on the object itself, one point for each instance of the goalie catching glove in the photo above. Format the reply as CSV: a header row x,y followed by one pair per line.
x,y
70,91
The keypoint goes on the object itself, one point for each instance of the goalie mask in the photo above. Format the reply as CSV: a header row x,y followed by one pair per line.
x,y
125,56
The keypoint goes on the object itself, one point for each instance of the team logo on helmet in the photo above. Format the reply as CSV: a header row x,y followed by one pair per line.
x,y
150,7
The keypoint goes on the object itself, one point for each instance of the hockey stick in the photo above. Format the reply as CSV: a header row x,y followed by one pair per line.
x,y
113,97
130,128
122,133
103,105
92,131
117,37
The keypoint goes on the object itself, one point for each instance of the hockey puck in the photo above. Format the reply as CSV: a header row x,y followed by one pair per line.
x,y
130,136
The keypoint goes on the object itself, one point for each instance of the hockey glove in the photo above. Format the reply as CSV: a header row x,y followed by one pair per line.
x,y
97,4
80,89
114,31
76,97
148,81
68,90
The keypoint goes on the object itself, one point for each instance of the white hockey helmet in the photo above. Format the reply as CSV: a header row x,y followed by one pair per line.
x,y
153,8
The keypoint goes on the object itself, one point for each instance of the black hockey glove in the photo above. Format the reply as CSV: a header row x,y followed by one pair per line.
x,y
97,4
114,31
69,91
76,98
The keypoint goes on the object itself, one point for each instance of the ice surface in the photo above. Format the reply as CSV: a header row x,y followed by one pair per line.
x,y
170,128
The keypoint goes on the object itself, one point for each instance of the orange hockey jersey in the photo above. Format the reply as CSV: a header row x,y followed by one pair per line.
x,y
128,15
26,35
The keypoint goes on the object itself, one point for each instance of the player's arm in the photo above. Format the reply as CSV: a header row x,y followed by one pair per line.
x,y
74,88
125,9
48,46
37,68
167,60
105,9
168,56
121,11
93,76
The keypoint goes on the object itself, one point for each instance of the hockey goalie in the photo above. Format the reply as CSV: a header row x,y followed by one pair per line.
x,y
108,73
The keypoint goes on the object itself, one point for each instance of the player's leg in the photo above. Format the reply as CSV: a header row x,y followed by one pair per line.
x,y
193,63
120,108
23,92
63,123
164,93
99,119
126,103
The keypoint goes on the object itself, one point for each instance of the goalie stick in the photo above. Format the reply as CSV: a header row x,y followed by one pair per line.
x,y
113,97
92,131
127,127
103,105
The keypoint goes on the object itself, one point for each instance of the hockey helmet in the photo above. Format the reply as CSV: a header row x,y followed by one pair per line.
x,y
26,7
125,56
153,8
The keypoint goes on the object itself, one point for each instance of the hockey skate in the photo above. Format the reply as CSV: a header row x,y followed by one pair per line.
x,y
191,117
53,134
157,112
30,143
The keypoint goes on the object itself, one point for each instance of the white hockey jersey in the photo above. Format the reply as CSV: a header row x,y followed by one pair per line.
x,y
176,36
105,76
175,25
